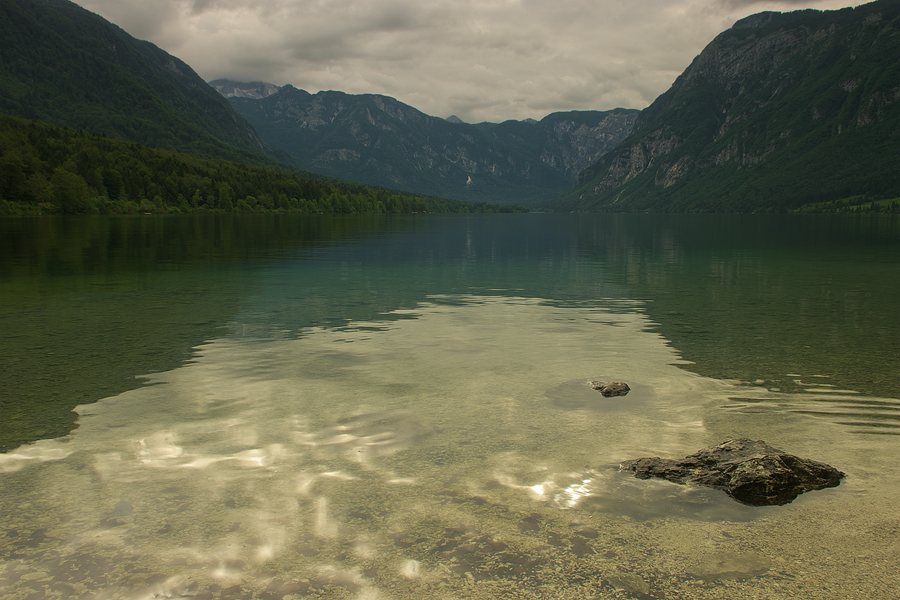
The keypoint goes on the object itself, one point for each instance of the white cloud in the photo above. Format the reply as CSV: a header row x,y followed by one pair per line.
x,y
478,59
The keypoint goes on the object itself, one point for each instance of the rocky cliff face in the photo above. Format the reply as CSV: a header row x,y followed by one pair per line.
x,y
238,89
780,111
378,140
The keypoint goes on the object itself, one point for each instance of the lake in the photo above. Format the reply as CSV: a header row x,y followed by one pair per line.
x,y
378,407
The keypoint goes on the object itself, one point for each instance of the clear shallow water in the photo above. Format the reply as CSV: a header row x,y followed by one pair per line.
x,y
402,411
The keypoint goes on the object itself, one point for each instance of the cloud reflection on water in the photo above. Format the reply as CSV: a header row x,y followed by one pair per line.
x,y
438,448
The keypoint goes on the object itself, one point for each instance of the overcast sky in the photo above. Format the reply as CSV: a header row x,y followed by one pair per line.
x,y
482,60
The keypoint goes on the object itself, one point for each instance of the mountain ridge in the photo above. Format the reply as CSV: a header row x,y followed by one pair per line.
x,y
64,65
256,90
93,120
378,140
781,111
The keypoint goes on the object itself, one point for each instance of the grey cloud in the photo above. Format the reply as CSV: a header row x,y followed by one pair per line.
x,y
784,4
201,6
481,60
144,20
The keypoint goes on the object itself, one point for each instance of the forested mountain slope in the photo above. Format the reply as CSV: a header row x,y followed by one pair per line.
x,y
65,65
48,169
780,112
378,140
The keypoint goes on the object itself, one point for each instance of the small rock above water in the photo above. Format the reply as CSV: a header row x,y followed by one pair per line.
x,y
609,389
751,472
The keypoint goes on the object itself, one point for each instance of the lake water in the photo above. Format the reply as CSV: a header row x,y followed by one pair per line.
x,y
283,407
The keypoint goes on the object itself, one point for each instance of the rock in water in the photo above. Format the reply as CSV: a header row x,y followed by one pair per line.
x,y
611,388
751,472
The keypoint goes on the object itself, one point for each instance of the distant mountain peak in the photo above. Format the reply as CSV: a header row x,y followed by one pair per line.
x,y
381,141
255,90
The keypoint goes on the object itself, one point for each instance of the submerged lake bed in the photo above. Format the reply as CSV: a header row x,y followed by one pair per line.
x,y
370,407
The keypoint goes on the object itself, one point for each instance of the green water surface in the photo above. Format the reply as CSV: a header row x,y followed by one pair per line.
x,y
89,304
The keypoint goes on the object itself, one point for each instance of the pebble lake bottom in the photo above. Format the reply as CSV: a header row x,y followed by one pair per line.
x,y
449,449
456,453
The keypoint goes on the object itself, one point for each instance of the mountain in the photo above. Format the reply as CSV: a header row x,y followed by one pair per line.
x,y
93,120
47,169
65,65
378,140
783,111
238,89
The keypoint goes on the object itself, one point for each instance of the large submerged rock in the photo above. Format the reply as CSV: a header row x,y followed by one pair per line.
x,y
751,472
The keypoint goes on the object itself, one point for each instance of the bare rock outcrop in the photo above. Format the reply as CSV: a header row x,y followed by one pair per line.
x,y
609,389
